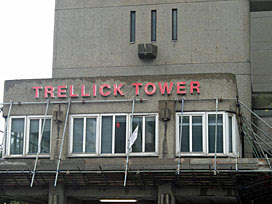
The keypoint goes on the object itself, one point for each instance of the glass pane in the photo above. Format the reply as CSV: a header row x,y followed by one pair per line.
x,y
185,134
45,148
132,26
197,134
17,136
174,24
153,25
137,146
106,140
120,134
211,132
150,131
230,134
90,145
33,136
78,135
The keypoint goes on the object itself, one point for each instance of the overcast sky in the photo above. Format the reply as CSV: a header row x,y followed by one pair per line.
x,y
26,41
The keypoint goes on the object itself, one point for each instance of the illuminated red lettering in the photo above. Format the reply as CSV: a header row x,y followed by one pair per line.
x,y
165,86
62,90
153,89
83,92
37,93
118,89
94,90
72,94
180,87
48,90
102,90
194,85
137,88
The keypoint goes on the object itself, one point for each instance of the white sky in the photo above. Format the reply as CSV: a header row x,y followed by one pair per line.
x,y
26,41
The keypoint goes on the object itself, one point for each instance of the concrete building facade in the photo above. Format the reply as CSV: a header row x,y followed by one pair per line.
x,y
179,73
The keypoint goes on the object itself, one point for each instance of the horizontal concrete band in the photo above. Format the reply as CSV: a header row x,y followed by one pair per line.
x,y
81,4
240,68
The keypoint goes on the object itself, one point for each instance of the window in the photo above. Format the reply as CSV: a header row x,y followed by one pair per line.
x,y
84,135
107,134
132,25
146,140
174,24
199,132
25,133
153,25
113,134
35,133
192,133
17,136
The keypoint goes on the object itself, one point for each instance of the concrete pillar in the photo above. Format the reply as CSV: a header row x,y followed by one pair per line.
x,y
166,194
56,194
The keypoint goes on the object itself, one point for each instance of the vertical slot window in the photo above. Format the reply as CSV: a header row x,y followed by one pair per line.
x,y
150,133
78,135
106,140
153,25
230,134
174,24
137,146
212,133
185,133
90,146
197,143
120,134
17,136
132,25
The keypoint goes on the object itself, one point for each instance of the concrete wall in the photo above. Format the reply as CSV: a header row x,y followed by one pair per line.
x,y
261,42
211,86
92,37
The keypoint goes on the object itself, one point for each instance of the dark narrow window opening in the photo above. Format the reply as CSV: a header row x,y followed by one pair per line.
x,y
132,25
174,24
153,25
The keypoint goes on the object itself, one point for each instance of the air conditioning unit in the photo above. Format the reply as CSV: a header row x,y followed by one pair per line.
x,y
147,51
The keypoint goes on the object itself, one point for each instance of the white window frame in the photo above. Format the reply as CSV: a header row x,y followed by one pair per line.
x,y
84,117
143,153
26,137
40,118
113,135
99,135
205,135
204,141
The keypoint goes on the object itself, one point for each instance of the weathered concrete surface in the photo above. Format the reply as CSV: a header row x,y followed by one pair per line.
x,y
211,86
95,34
261,49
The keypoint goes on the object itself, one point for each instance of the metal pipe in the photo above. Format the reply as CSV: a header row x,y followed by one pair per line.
x,y
265,142
180,135
39,145
255,134
256,115
141,171
62,141
267,136
215,138
128,143
6,129
82,101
